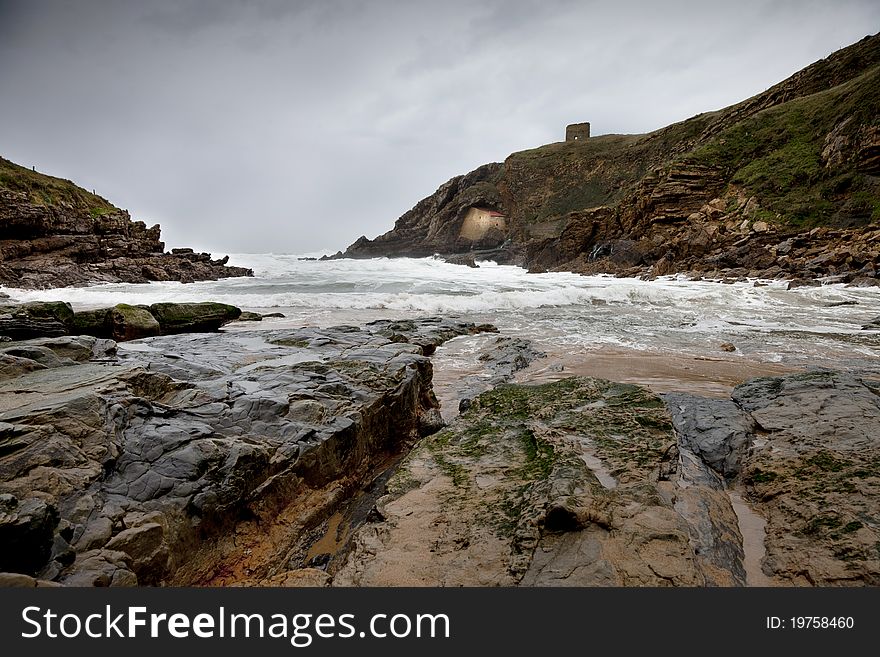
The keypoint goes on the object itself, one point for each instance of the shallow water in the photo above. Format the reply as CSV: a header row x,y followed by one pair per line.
x,y
751,526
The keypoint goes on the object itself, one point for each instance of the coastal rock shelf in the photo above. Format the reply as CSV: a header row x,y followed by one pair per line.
x,y
157,466
590,483
315,457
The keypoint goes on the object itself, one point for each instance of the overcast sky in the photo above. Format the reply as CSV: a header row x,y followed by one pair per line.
x,y
291,126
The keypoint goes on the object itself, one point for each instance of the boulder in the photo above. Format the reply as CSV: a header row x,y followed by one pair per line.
x,y
131,323
100,568
193,317
37,353
14,366
146,546
79,348
716,430
92,322
250,317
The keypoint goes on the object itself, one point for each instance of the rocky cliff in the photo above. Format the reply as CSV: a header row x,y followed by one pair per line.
x,y
55,234
783,184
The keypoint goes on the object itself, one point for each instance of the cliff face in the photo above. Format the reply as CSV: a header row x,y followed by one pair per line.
x,y
767,186
55,234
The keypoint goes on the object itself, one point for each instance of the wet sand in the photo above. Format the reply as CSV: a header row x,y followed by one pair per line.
x,y
709,376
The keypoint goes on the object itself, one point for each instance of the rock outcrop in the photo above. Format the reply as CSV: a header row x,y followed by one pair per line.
x,y
577,483
55,234
590,483
201,458
781,185
122,322
317,457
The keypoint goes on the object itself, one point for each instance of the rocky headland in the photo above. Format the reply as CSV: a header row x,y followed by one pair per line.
x,y
782,185
55,234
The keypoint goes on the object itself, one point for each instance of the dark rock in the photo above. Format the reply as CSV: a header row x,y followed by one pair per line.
x,y
193,317
26,533
246,316
65,236
96,323
505,356
462,259
716,430
35,320
131,323
153,463
803,282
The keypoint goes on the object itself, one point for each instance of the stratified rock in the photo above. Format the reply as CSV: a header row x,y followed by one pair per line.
x,y
14,366
197,455
35,320
710,194
79,348
39,354
193,317
55,234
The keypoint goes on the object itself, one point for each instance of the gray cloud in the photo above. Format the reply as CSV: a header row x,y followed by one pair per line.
x,y
294,126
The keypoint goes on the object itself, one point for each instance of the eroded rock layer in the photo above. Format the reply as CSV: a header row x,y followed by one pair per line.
x,y
159,465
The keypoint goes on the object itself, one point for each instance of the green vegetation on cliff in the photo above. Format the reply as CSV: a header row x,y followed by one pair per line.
x,y
777,155
713,193
50,191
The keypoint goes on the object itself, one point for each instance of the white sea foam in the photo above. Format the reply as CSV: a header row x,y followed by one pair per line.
x,y
667,314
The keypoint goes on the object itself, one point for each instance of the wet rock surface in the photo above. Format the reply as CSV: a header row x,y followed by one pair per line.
x,y
575,482
122,322
814,473
587,482
160,465
318,456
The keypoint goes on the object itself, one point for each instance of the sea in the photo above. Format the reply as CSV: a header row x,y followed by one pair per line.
x,y
575,318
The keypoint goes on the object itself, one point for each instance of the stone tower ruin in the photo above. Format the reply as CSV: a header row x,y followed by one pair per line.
x,y
577,131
